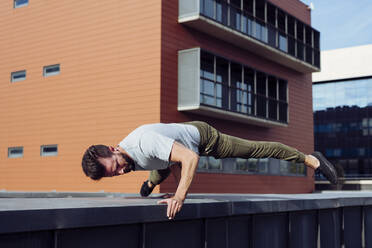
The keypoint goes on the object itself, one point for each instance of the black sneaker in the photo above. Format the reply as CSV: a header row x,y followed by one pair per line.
x,y
145,189
326,168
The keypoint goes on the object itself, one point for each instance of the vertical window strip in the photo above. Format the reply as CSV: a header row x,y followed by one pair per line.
x,y
267,96
277,99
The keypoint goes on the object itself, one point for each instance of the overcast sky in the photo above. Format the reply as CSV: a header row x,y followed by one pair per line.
x,y
342,23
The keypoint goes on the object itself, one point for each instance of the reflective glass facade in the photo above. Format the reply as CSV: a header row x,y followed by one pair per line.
x,y
343,124
267,23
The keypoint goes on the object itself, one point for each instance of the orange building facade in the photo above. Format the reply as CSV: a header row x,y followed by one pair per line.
x,y
120,65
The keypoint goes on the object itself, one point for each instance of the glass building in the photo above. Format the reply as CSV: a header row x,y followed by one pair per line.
x,y
343,124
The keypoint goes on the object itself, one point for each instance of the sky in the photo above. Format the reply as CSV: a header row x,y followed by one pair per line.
x,y
342,23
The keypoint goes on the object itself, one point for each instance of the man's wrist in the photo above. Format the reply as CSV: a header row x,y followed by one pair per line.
x,y
177,197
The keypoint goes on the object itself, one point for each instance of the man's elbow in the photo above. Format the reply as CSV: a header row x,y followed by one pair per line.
x,y
196,157
193,159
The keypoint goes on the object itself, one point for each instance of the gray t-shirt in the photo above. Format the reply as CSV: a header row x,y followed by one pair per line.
x,y
150,145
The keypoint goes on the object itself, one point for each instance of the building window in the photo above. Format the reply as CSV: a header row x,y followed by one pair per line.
x,y
283,42
266,23
262,166
261,94
300,40
210,163
235,87
221,11
49,150
15,152
51,70
20,3
283,100
18,76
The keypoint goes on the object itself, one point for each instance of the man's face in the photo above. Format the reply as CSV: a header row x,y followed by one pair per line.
x,y
115,165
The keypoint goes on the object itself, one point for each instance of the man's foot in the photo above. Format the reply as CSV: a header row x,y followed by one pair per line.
x,y
146,189
326,168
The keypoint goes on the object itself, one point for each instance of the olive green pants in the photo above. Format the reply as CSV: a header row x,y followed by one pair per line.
x,y
219,145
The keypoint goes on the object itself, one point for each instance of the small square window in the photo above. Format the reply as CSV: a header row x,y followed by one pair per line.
x,y
203,163
51,70
18,76
20,3
15,152
241,164
49,150
214,164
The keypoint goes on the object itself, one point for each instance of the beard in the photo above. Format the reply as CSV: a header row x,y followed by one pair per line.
x,y
130,167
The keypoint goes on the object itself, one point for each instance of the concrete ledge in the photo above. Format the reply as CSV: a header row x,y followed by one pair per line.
x,y
50,211
95,220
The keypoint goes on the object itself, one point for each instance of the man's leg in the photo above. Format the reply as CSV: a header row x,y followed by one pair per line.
x,y
219,145
158,176
230,146
155,178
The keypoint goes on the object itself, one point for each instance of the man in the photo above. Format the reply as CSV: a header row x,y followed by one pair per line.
x,y
162,148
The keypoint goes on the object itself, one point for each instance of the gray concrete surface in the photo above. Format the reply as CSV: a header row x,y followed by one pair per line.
x,y
20,212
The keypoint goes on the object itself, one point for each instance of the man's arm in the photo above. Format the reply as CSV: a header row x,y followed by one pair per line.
x,y
189,161
176,172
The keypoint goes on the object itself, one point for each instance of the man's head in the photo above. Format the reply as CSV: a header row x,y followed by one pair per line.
x,y
105,161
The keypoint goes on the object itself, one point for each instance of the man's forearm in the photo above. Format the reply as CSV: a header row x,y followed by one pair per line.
x,y
187,174
176,171
189,161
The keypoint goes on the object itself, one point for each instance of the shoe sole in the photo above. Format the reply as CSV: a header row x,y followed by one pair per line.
x,y
326,168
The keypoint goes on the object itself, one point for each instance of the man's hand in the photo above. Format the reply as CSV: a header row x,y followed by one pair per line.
x,y
189,161
174,206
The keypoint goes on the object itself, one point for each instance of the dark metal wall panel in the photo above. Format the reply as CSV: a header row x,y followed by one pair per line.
x,y
368,226
287,221
330,228
353,220
216,233
239,230
170,234
127,236
43,239
270,231
303,229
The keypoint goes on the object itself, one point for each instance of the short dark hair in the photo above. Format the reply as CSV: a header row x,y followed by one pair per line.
x,y
91,166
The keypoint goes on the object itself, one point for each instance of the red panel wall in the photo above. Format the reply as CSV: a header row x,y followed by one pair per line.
x,y
298,134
